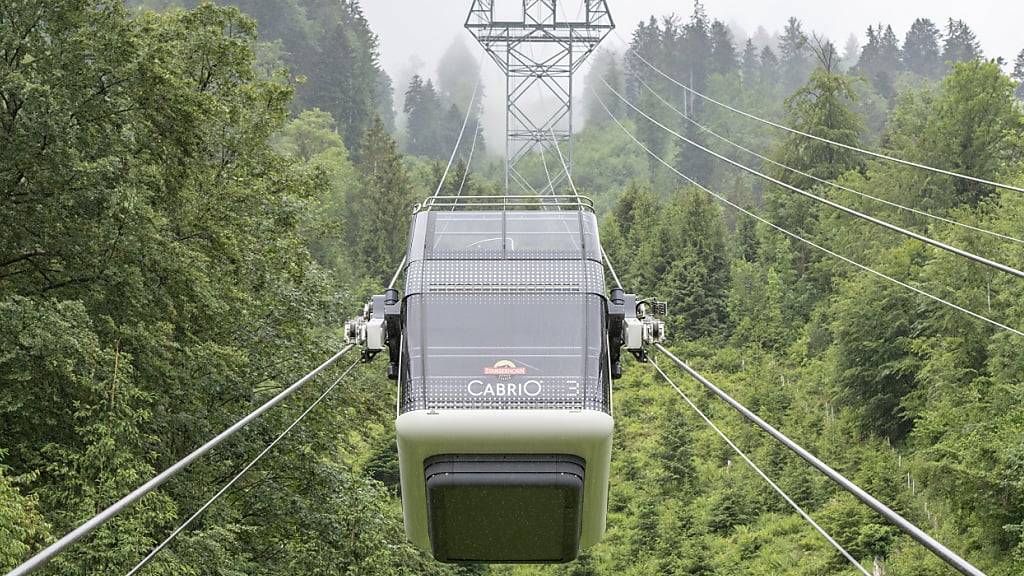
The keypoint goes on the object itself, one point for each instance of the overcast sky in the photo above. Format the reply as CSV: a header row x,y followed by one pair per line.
x,y
414,33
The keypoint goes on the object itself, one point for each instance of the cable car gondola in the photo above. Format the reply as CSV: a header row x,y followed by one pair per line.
x,y
504,344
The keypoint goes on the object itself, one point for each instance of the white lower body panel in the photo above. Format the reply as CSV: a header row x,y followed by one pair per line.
x,y
586,434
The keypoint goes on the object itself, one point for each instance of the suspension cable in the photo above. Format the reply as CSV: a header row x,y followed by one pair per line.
x,y
760,472
608,262
799,238
908,233
149,557
98,520
544,162
565,166
451,160
877,155
469,162
838,186
922,537
462,132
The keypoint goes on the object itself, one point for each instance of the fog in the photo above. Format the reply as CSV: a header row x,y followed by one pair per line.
x,y
415,33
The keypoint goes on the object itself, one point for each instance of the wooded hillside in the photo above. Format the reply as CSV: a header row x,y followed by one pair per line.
x,y
195,198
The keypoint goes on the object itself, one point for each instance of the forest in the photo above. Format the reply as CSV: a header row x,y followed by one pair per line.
x,y
196,196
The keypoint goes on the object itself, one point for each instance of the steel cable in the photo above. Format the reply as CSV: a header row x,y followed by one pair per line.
x,y
689,119
149,557
877,155
922,537
47,554
799,238
761,473
908,233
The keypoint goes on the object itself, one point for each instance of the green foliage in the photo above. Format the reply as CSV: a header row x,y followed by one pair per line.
x,y
921,52
967,127
22,527
378,210
961,44
156,282
174,248
329,48
882,58
1018,74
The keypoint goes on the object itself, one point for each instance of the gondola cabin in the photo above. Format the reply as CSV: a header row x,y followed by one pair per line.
x,y
501,346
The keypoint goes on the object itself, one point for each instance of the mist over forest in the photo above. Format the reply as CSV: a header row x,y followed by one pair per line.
x,y
196,196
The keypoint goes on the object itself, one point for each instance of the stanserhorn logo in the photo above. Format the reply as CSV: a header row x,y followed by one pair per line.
x,y
504,368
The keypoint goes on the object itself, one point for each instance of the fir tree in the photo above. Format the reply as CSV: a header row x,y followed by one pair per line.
x,y
606,68
793,55
822,107
881,59
1018,74
723,52
346,79
921,52
423,127
750,65
769,67
696,268
457,74
961,43
851,52
378,210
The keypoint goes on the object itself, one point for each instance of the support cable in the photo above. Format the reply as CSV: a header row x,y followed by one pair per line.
x,y
462,132
398,273
149,557
469,162
799,238
908,233
451,160
835,185
565,166
608,263
568,175
98,520
761,473
877,155
544,161
922,537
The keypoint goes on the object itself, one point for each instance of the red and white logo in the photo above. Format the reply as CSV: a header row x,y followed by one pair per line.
x,y
504,368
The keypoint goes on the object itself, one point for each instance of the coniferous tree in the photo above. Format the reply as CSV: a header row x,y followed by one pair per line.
x,y
793,55
750,64
1018,74
345,77
424,120
378,210
822,107
606,68
922,54
961,44
851,52
881,60
769,67
695,41
644,45
696,273
458,73
723,52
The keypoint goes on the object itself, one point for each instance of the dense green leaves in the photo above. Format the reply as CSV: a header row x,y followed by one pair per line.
x,y
180,238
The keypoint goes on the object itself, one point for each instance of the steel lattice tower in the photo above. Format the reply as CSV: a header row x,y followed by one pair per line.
x,y
540,51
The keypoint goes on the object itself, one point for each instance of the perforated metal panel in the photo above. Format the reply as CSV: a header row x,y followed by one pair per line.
x,y
520,325
491,276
